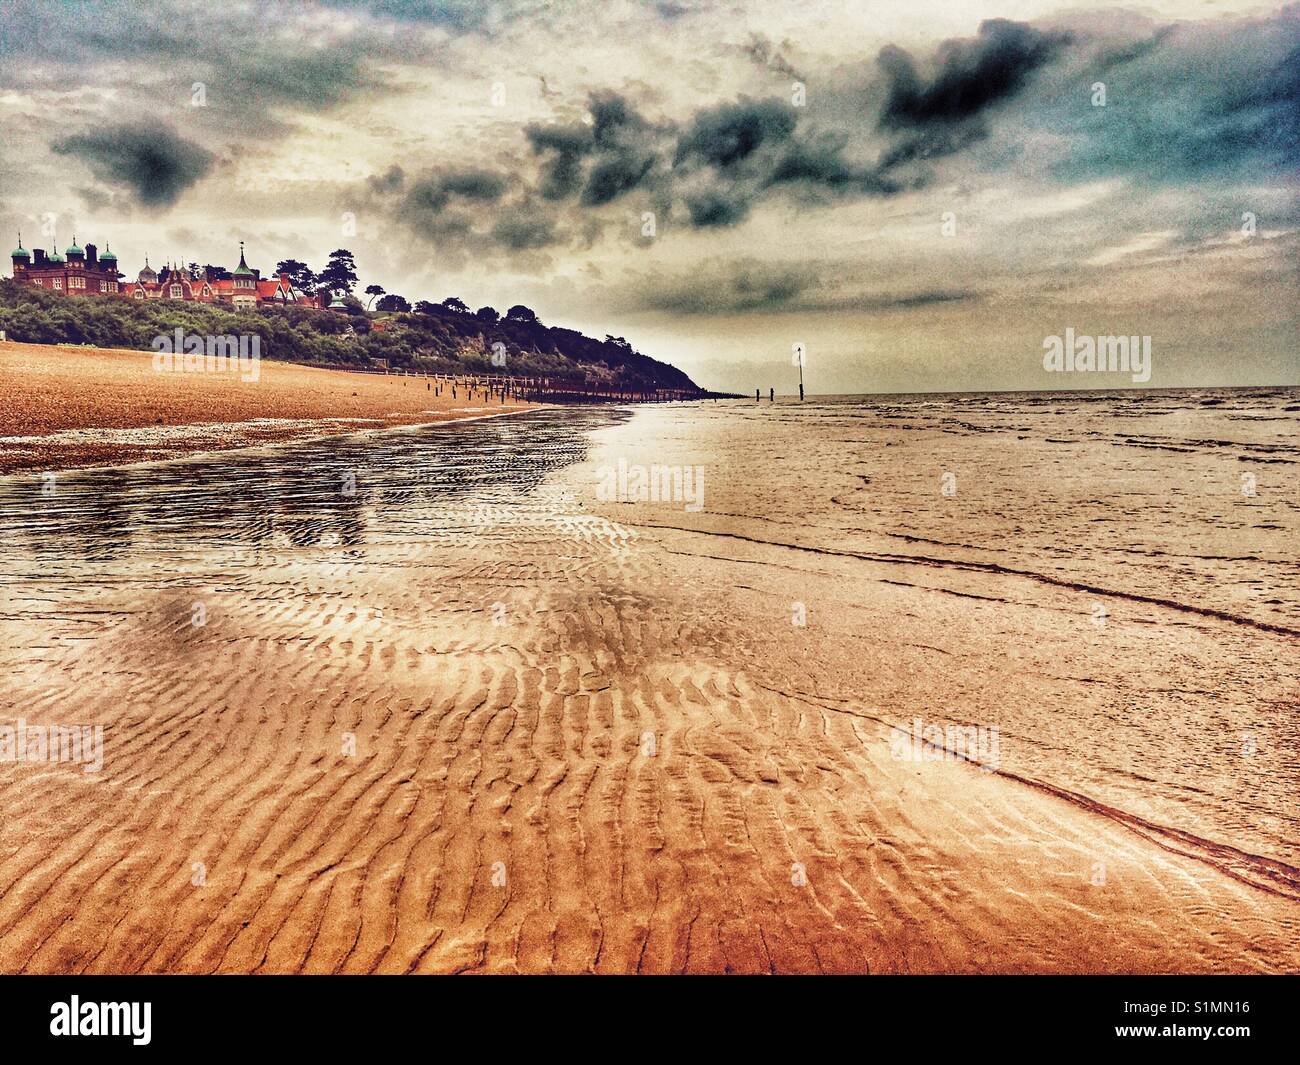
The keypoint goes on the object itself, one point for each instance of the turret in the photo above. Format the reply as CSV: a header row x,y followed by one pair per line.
x,y
242,274
21,256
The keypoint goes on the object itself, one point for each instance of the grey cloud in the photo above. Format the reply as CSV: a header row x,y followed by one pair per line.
x,y
468,208
726,288
600,161
458,14
1197,104
152,161
523,227
433,193
970,106
391,180
728,135
763,52
717,164
945,114
752,286
258,64
972,75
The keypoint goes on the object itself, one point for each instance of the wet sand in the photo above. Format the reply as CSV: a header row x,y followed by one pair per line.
x,y
66,407
472,717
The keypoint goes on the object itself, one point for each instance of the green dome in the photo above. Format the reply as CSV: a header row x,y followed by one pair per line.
x,y
108,257
55,257
337,302
20,253
74,249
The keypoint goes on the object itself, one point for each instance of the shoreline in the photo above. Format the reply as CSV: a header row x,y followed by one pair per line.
x,y
270,444
70,408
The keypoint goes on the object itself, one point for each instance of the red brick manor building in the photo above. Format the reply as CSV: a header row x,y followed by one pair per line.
x,y
83,271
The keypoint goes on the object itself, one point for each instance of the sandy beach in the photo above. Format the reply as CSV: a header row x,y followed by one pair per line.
x,y
478,716
65,407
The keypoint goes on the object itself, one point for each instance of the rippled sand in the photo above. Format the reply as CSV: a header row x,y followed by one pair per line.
x,y
469,716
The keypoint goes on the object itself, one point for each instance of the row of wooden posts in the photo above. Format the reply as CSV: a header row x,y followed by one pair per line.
x,y
503,388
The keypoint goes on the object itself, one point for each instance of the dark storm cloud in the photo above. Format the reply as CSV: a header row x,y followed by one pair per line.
x,y
434,192
150,160
944,114
718,163
729,157
972,74
726,136
599,160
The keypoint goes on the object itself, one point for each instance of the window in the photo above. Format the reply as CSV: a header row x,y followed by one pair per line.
x,y
176,292
58,282
112,286
76,282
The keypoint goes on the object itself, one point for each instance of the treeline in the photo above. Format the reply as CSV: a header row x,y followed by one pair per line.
x,y
435,337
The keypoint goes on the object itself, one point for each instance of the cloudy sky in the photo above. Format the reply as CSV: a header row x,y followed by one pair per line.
x,y
918,193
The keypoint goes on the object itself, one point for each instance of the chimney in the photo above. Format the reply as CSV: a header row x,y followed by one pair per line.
x,y
91,255
39,254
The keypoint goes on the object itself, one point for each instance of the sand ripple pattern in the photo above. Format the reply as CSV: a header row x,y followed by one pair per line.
x,y
446,715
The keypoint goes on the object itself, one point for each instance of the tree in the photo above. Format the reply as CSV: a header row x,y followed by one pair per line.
x,y
455,305
425,307
372,291
340,273
216,273
520,313
300,275
392,302
487,314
